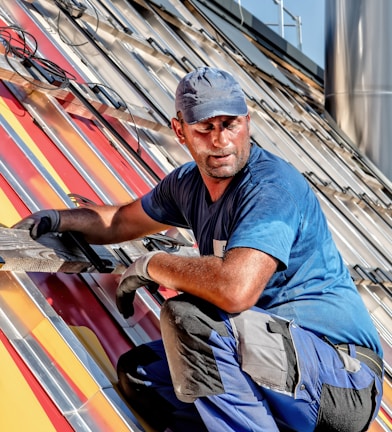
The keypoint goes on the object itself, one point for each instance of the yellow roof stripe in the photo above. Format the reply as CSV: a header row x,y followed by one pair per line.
x,y
11,401
23,134
8,214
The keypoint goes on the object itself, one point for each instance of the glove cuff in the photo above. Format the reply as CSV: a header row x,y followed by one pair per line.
x,y
139,267
141,264
54,216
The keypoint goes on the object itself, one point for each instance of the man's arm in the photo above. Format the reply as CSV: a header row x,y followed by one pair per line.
x,y
102,224
233,283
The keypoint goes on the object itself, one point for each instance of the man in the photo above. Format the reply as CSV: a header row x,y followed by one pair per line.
x,y
269,333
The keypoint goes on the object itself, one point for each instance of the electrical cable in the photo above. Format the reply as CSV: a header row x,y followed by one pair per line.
x,y
124,104
69,9
16,45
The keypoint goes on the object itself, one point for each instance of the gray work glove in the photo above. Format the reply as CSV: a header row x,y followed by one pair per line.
x,y
40,222
134,277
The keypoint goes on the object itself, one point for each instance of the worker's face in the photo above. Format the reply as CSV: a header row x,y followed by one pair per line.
x,y
220,145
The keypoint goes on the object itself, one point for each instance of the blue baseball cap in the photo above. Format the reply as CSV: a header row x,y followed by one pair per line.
x,y
208,92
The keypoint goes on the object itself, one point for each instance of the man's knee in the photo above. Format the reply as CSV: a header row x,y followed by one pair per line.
x,y
128,364
138,393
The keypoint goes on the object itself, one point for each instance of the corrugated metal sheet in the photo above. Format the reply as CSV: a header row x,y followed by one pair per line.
x,y
85,106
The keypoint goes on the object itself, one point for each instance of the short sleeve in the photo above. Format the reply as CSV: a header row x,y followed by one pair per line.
x,y
167,202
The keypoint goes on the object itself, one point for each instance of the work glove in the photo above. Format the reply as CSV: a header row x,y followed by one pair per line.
x,y
133,278
40,222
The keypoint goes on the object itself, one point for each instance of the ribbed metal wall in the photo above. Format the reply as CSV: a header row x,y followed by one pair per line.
x,y
358,78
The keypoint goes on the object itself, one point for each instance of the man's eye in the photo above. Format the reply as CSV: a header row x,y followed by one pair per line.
x,y
205,129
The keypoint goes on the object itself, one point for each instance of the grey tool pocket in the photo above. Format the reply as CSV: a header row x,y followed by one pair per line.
x,y
261,349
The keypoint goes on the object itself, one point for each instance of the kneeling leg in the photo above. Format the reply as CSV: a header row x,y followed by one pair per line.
x,y
145,382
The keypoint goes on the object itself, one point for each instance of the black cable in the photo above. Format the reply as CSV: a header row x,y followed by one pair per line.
x,y
124,104
118,136
69,9
16,43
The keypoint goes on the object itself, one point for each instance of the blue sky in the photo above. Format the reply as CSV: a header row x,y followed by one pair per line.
x,y
312,17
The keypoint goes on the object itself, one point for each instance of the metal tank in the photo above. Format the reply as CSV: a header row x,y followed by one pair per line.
x,y
358,74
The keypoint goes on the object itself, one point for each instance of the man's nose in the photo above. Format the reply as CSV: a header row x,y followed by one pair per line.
x,y
220,137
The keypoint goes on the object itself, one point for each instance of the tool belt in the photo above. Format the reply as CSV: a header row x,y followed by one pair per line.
x,y
367,356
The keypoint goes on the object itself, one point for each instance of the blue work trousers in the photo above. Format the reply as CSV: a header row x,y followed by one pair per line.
x,y
249,372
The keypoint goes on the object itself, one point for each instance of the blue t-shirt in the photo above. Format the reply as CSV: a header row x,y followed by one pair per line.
x,y
270,206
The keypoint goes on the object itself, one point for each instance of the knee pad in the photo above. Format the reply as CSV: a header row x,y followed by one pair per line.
x,y
187,323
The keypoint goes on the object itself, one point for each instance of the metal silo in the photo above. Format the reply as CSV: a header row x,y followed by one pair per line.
x,y
358,74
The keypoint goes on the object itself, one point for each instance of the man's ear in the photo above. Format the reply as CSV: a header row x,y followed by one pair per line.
x,y
177,128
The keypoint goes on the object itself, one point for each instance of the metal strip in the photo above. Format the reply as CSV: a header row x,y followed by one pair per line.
x,y
23,333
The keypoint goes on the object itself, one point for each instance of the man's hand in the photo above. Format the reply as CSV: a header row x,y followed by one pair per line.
x,y
39,223
133,278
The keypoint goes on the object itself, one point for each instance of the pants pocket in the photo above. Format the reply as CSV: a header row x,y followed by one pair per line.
x,y
355,406
262,349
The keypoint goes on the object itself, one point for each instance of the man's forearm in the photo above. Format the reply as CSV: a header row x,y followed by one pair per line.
x,y
110,224
95,223
233,284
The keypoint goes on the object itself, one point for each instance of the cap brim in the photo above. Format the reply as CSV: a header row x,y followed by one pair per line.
x,y
230,107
